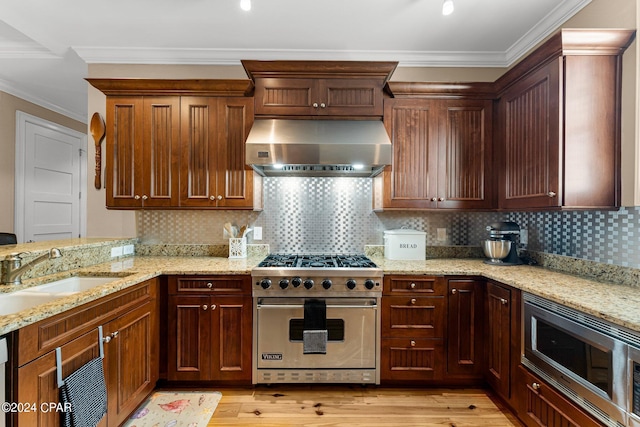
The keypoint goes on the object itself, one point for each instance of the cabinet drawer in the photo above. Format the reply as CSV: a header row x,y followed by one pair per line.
x,y
422,285
411,359
228,285
39,338
411,316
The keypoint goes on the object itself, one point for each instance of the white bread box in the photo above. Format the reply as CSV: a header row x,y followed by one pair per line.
x,y
405,244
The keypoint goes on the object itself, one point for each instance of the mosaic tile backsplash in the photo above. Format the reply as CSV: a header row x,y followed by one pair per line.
x,y
320,215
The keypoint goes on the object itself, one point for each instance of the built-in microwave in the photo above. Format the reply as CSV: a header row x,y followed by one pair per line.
x,y
593,362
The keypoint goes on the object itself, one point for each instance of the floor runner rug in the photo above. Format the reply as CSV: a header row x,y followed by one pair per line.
x,y
176,408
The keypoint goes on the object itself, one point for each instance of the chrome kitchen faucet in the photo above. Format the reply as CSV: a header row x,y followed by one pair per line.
x,y
12,268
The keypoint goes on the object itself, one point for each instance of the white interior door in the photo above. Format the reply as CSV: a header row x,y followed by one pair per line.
x,y
50,180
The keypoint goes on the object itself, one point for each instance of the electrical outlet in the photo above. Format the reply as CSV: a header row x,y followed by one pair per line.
x,y
127,250
441,234
524,236
257,233
116,251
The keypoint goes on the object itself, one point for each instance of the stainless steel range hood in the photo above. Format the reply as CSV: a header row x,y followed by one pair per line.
x,y
359,148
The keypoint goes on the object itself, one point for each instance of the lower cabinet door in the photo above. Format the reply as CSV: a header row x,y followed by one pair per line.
x,y
132,351
231,339
542,405
38,392
406,359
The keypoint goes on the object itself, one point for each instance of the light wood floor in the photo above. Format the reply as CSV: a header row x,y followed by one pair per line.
x,y
353,406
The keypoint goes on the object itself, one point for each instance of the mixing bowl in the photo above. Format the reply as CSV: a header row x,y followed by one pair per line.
x,y
496,249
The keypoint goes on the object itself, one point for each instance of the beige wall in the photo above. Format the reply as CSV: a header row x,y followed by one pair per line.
x,y
9,104
599,13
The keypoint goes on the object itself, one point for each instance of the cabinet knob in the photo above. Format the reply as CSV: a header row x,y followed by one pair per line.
x,y
433,199
213,306
205,307
503,301
115,334
412,285
454,291
106,339
136,197
219,197
145,197
551,194
314,105
413,301
412,343
209,285
323,105
212,197
535,386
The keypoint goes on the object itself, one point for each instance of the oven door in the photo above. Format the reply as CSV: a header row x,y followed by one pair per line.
x,y
351,342
579,360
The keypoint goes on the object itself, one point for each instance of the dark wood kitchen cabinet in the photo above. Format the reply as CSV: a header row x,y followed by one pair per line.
x,y
340,89
540,405
178,144
442,153
143,141
130,329
503,338
213,172
465,323
413,316
210,324
559,119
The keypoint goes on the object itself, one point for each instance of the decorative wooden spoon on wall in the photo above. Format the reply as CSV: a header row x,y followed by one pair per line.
x,y
97,130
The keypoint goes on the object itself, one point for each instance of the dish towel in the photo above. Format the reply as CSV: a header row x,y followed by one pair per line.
x,y
314,334
85,390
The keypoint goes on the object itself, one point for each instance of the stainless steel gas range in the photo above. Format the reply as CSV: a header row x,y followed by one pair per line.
x,y
316,319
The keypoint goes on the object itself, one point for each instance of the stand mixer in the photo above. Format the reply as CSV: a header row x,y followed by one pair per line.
x,y
499,234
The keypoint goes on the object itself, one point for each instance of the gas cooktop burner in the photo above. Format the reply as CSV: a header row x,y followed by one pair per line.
x,y
317,261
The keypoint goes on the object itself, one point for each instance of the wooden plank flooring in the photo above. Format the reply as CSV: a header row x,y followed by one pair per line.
x,y
353,406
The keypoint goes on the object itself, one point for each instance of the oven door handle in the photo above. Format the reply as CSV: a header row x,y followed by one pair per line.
x,y
294,306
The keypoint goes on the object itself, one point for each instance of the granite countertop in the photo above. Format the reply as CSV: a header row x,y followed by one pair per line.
x,y
615,303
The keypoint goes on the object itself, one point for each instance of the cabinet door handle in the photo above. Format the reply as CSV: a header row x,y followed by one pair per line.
x,y
412,343
412,285
106,339
535,386
209,285
551,194
213,307
433,199
413,301
136,197
454,291
115,334
205,307
323,105
219,197
314,105
503,301
145,197
212,197
441,199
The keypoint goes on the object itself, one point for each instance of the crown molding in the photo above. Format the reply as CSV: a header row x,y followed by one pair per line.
x,y
11,89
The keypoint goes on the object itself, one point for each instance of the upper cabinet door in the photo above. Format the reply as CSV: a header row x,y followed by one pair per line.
x,y
161,148
234,177
198,154
123,176
279,96
531,114
465,155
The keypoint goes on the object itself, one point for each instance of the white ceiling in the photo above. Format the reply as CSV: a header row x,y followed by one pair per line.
x,y
45,45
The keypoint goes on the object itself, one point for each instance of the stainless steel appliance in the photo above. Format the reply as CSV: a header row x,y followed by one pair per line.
x,y
593,362
509,231
316,319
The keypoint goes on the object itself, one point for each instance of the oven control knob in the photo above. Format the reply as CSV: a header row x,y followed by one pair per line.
x,y
351,284
265,283
369,284
308,284
326,283
296,281
284,284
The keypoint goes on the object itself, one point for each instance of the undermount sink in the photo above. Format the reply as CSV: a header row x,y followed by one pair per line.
x,y
70,285
17,301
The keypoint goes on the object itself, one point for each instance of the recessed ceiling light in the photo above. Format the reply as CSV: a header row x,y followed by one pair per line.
x,y
447,7
245,5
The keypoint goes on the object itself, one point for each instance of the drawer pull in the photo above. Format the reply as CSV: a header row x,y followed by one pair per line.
x,y
412,285
535,386
413,301
209,285
412,343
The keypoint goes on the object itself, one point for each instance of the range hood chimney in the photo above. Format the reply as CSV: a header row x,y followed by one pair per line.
x,y
357,148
